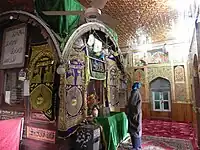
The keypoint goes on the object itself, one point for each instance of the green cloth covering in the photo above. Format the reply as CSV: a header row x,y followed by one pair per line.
x,y
114,34
62,25
115,128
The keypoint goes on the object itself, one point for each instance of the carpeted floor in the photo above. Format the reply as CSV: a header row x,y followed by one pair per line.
x,y
159,143
164,135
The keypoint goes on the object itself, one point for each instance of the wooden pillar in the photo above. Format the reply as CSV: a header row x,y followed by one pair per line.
x,y
196,81
197,98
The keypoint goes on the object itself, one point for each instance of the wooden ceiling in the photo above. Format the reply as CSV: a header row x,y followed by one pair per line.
x,y
26,5
152,17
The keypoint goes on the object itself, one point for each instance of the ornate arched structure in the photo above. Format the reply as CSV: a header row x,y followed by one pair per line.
x,y
84,29
76,55
42,53
35,21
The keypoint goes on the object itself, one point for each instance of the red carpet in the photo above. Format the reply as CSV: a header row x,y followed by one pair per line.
x,y
164,135
169,129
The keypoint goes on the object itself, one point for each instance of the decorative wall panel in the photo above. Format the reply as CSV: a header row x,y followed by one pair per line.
x,y
35,116
139,59
41,74
41,134
162,71
61,122
74,101
113,82
113,73
114,97
179,74
157,56
180,85
117,85
71,109
180,92
123,90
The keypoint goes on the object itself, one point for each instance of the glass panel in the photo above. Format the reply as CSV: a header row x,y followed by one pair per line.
x,y
157,104
165,96
14,86
166,105
156,95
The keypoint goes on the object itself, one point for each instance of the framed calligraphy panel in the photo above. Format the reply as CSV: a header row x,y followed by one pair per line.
x,y
13,47
41,134
97,69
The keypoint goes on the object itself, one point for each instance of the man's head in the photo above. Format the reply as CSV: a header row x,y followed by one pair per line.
x,y
136,85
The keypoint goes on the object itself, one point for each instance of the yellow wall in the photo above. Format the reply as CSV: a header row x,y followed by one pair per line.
x,y
177,75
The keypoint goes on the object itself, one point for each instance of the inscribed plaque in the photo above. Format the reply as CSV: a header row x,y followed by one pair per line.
x,y
13,47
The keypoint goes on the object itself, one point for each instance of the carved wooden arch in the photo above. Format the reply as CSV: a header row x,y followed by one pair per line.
x,y
161,77
157,78
82,30
35,21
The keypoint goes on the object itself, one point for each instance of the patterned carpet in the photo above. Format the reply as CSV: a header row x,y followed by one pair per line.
x,y
159,143
164,135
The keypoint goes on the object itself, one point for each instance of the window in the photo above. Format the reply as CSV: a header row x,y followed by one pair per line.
x,y
13,88
160,89
161,101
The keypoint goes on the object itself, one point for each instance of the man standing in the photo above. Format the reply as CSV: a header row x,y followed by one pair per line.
x,y
134,115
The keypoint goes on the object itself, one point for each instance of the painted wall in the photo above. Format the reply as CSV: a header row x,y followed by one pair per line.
x,y
159,63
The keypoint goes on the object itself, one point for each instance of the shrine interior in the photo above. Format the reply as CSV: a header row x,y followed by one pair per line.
x,y
70,70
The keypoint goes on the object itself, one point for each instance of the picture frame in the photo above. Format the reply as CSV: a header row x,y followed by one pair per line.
x,y
14,47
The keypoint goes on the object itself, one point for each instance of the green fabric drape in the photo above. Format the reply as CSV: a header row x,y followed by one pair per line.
x,y
114,34
115,128
62,25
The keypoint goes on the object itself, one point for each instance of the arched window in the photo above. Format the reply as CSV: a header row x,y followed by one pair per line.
x,y
160,90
